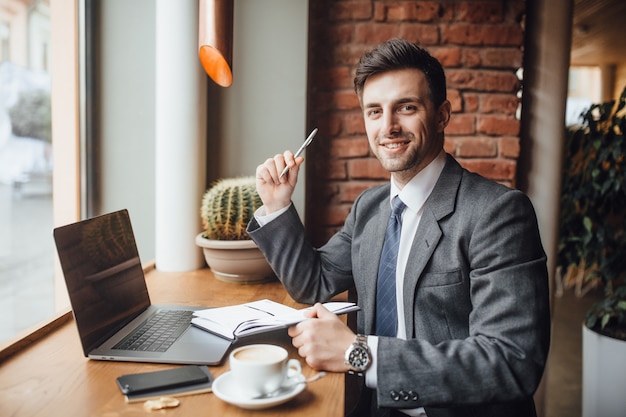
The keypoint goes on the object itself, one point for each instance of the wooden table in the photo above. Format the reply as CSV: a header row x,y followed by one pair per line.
x,y
50,376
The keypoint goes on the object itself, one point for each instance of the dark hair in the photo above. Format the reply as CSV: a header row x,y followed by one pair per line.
x,y
398,54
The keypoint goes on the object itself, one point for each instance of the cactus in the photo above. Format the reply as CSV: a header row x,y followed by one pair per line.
x,y
227,207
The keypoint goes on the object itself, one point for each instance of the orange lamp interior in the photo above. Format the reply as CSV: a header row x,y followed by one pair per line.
x,y
215,65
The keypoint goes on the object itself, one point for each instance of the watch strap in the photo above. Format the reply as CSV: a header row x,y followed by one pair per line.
x,y
360,342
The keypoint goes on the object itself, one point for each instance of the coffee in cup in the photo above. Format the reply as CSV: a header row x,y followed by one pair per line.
x,y
261,369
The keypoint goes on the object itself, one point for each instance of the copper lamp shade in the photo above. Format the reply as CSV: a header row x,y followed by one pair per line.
x,y
215,40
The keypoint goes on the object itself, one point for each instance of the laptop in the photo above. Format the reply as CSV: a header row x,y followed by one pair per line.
x,y
110,301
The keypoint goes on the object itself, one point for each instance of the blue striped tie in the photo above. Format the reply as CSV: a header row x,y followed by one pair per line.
x,y
386,308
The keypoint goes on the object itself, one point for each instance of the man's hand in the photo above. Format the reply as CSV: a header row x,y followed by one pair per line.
x,y
276,193
322,342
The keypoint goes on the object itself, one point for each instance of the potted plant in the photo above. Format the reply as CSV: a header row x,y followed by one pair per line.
x,y
592,240
226,208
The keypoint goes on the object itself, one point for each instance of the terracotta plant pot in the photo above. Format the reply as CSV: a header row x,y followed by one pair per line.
x,y
237,261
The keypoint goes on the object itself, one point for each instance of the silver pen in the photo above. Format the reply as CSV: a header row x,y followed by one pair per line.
x,y
306,143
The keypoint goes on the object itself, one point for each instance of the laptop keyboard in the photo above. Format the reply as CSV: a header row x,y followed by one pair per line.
x,y
158,332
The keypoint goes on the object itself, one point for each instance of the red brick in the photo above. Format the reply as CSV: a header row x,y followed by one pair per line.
x,y
334,77
495,169
339,34
375,33
366,168
480,12
471,57
449,145
461,124
476,147
337,100
447,12
353,123
509,147
470,34
501,58
449,56
503,35
351,10
470,102
343,100
421,11
517,9
498,103
456,100
349,148
380,12
348,54
497,125
428,11
420,34
340,76
400,11
481,80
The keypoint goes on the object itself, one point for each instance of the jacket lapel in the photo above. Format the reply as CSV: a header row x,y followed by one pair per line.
x,y
440,204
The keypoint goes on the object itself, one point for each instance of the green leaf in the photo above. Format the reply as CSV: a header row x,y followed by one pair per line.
x,y
597,144
605,320
590,322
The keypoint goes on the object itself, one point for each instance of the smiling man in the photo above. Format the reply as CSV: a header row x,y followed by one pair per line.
x,y
448,266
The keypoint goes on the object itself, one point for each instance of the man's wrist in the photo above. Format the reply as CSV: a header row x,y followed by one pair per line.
x,y
358,356
263,217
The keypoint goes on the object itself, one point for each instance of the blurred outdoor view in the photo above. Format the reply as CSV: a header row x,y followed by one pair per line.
x,y
26,245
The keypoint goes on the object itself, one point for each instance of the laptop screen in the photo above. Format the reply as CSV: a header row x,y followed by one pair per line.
x,y
103,274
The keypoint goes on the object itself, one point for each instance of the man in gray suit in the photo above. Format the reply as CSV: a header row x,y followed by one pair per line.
x,y
469,327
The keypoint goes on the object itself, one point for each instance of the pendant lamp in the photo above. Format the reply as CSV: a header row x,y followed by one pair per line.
x,y
215,39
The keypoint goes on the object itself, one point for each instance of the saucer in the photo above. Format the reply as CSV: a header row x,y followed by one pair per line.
x,y
224,388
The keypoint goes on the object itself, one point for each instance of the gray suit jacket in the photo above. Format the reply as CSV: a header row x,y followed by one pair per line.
x,y
476,295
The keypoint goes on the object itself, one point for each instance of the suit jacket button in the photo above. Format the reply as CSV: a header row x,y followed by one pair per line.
x,y
394,395
414,396
404,395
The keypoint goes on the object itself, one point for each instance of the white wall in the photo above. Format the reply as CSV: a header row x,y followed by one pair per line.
x,y
264,111
261,114
125,113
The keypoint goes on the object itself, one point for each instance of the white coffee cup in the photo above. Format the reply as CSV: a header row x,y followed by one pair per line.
x,y
261,369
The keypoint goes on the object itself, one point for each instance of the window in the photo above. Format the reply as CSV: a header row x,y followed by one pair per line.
x,y
38,187
26,219
103,108
584,89
5,33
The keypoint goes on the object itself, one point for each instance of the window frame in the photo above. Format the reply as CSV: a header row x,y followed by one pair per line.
x,y
66,123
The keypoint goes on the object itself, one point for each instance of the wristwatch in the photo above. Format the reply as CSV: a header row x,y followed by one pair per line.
x,y
358,356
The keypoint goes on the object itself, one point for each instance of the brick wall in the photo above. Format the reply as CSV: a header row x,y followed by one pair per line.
x,y
479,44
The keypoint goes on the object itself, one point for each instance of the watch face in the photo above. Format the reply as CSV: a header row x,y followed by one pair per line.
x,y
359,358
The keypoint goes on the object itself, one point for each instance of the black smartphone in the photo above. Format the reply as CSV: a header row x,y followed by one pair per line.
x,y
160,380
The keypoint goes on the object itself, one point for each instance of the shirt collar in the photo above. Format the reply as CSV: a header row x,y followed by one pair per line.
x,y
416,192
